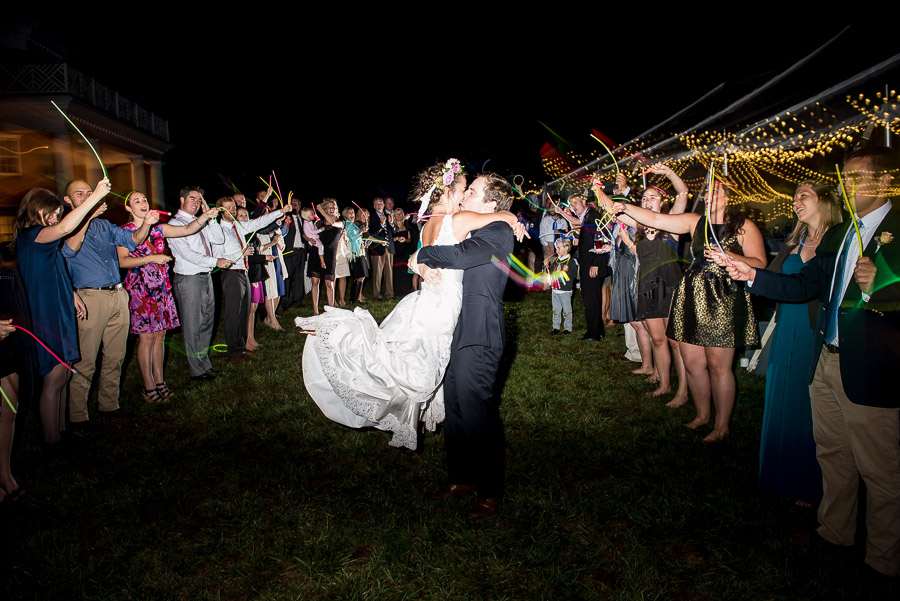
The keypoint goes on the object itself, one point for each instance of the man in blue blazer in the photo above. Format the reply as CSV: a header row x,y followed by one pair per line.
x,y
473,432
855,404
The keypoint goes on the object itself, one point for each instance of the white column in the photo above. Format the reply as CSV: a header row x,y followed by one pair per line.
x,y
138,179
156,192
92,167
62,155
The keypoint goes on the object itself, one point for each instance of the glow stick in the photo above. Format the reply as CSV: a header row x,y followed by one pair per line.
x,y
615,162
238,256
10,150
709,225
850,207
278,187
8,402
45,347
102,166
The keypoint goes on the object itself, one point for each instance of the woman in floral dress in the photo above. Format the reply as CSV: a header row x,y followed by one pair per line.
x,y
152,304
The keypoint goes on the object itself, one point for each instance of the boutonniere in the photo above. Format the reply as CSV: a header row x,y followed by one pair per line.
x,y
884,238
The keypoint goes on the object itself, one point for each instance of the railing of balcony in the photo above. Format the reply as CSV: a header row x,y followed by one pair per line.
x,y
61,78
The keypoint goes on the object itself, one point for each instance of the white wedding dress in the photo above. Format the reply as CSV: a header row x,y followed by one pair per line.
x,y
362,375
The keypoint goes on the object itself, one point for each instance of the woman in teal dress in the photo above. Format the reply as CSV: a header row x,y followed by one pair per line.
x,y
787,450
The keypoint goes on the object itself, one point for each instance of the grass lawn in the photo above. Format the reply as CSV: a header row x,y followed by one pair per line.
x,y
242,489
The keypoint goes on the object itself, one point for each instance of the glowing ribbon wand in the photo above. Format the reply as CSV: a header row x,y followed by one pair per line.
x,y
8,402
615,162
102,166
850,207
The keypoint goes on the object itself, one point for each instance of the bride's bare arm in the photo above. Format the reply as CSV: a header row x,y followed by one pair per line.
x,y
469,221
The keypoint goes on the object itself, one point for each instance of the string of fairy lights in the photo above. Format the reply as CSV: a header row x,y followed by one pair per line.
x,y
765,161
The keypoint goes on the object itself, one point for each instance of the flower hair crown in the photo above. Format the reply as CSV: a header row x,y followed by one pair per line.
x,y
450,169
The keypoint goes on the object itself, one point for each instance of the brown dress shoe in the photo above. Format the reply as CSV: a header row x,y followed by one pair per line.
x,y
451,490
484,507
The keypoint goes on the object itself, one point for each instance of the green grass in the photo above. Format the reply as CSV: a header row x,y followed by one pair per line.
x,y
241,489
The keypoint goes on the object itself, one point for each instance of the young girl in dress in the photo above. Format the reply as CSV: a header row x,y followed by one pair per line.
x,y
315,263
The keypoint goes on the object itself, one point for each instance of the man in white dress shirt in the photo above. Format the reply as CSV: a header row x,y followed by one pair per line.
x,y
194,261
235,284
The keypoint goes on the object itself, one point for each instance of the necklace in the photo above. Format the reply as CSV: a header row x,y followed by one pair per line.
x,y
803,242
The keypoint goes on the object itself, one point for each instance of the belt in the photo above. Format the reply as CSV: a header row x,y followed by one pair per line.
x,y
113,287
833,349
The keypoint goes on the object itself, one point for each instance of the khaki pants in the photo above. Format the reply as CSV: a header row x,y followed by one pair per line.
x,y
107,322
852,441
382,266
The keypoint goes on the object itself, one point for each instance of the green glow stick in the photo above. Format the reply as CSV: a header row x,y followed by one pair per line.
x,y
8,402
102,166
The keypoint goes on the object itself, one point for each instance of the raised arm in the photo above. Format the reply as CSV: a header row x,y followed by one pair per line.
x,y
73,219
139,236
677,224
606,204
74,242
180,231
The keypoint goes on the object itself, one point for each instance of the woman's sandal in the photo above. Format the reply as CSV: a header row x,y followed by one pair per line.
x,y
164,391
151,395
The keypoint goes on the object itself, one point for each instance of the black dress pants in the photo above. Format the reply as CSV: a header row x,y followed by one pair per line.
x,y
473,432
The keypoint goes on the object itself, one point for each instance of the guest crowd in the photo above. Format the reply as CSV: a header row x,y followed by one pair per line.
x,y
830,417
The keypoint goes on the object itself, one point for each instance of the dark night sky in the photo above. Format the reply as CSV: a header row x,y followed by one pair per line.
x,y
353,108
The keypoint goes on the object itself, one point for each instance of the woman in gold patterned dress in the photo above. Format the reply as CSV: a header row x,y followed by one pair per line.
x,y
711,314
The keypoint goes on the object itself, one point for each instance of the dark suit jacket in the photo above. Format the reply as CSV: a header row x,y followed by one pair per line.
x,y
481,319
587,259
385,233
869,333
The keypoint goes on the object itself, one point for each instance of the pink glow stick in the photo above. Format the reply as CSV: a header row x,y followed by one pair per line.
x,y
45,346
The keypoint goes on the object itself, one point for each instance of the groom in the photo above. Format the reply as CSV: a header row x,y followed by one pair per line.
x,y
473,432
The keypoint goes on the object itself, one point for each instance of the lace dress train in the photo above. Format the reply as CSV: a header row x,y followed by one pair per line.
x,y
388,377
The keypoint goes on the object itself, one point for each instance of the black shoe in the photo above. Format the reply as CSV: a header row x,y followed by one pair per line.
x,y
565,332
85,426
116,414
204,377
554,332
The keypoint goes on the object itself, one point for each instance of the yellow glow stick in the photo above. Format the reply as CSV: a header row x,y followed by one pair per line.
x,y
608,151
853,216
8,402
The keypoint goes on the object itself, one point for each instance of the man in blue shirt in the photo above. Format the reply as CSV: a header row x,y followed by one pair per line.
x,y
94,267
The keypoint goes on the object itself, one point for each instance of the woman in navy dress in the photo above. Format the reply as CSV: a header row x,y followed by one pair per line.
x,y
51,297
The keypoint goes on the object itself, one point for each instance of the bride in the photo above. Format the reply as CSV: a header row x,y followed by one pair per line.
x,y
388,377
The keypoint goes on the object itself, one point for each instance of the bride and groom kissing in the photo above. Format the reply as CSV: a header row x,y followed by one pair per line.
x,y
473,432
389,376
